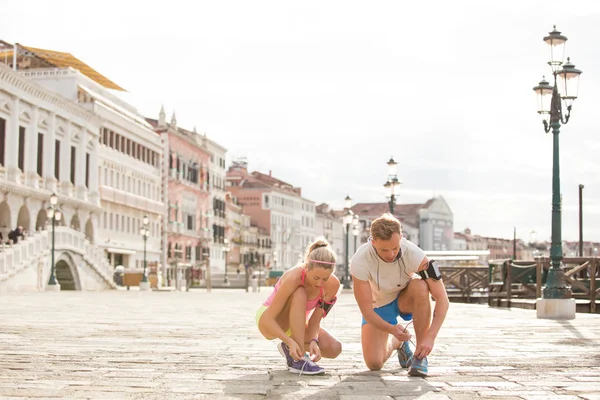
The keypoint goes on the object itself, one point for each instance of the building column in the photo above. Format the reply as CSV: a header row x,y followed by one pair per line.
x,y
65,162
31,155
80,159
94,169
12,145
80,169
49,155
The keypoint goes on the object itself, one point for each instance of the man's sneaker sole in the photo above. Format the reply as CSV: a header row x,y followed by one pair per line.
x,y
416,372
404,362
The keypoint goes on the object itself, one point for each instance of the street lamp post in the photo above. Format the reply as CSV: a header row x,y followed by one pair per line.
x,y
55,215
145,232
355,230
226,250
348,217
392,183
556,299
206,255
581,220
258,261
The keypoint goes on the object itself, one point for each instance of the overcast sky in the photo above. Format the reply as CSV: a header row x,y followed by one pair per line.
x,y
324,92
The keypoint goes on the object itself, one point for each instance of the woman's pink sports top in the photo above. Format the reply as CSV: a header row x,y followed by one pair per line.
x,y
310,304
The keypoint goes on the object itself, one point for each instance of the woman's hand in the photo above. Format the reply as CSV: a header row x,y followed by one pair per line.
x,y
296,352
314,350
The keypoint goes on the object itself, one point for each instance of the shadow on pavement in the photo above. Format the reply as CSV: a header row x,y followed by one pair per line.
x,y
281,384
569,326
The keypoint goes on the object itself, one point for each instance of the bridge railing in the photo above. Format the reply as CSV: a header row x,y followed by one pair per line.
x,y
510,279
67,238
15,256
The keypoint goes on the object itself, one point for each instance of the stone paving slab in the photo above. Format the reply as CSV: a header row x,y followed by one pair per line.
x,y
198,345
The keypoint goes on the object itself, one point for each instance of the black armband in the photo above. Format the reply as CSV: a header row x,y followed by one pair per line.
x,y
326,305
432,271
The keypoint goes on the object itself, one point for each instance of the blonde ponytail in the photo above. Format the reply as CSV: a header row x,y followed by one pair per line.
x,y
320,254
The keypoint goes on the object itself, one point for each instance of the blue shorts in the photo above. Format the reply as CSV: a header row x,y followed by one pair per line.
x,y
390,313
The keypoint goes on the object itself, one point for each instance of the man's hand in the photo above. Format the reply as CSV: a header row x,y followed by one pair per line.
x,y
400,333
424,347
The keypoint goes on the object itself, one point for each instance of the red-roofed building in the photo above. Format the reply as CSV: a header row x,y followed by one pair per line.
x,y
430,225
277,208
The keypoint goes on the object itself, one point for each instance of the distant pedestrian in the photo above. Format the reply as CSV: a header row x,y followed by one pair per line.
x,y
302,297
16,234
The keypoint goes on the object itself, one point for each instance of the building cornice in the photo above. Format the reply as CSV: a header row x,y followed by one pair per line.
x,y
27,192
13,80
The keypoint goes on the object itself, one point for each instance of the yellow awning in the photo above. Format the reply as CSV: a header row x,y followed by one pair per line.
x,y
64,60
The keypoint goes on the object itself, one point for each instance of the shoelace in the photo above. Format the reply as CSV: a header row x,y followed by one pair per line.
x,y
407,325
308,361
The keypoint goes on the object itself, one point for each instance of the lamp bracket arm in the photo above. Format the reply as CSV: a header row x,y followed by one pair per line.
x,y
546,126
565,118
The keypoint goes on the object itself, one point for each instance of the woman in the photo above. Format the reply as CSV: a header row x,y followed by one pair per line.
x,y
293,312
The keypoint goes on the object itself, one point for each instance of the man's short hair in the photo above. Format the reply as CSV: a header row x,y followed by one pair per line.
x,y
385,226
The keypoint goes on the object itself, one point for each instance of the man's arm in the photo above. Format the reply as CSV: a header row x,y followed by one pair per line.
x,y
438,291
363,296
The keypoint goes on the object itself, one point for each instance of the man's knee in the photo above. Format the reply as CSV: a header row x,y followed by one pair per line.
x,y
374,365
420,289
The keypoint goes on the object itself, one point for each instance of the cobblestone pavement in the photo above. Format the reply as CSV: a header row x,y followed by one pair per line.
x,y
197,345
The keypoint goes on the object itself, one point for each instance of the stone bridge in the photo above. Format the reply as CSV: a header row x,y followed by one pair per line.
x,y
79,264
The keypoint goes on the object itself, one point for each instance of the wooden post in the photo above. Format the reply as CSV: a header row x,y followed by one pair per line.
x,y
508,264
539,270
593,268
468,285
208,278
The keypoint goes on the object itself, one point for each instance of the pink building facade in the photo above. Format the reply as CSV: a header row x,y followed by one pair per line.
x,y
187,230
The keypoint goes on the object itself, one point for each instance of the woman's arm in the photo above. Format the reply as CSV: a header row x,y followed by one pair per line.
x,y
330,289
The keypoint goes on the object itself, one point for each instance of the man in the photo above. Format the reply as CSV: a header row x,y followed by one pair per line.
x,y
16,234
393,277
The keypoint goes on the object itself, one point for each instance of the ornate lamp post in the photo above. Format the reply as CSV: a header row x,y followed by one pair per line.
x,y
392,183
556,299
145,232
206,256
55,215
348,217
355,230
226,250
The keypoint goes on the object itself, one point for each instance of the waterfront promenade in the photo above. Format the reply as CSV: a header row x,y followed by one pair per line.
x,y
198,345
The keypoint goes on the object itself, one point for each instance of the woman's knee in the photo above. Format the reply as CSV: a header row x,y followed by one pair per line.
x,y
299,294
336,349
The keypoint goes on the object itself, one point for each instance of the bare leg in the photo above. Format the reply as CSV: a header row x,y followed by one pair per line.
x,y
297,315
415,299
330,346
375,347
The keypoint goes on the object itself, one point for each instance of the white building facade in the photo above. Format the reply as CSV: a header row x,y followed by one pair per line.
x,y
48,145
129,168
218,216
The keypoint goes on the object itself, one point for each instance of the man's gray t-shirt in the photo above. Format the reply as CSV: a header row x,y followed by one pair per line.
x,y
386,279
